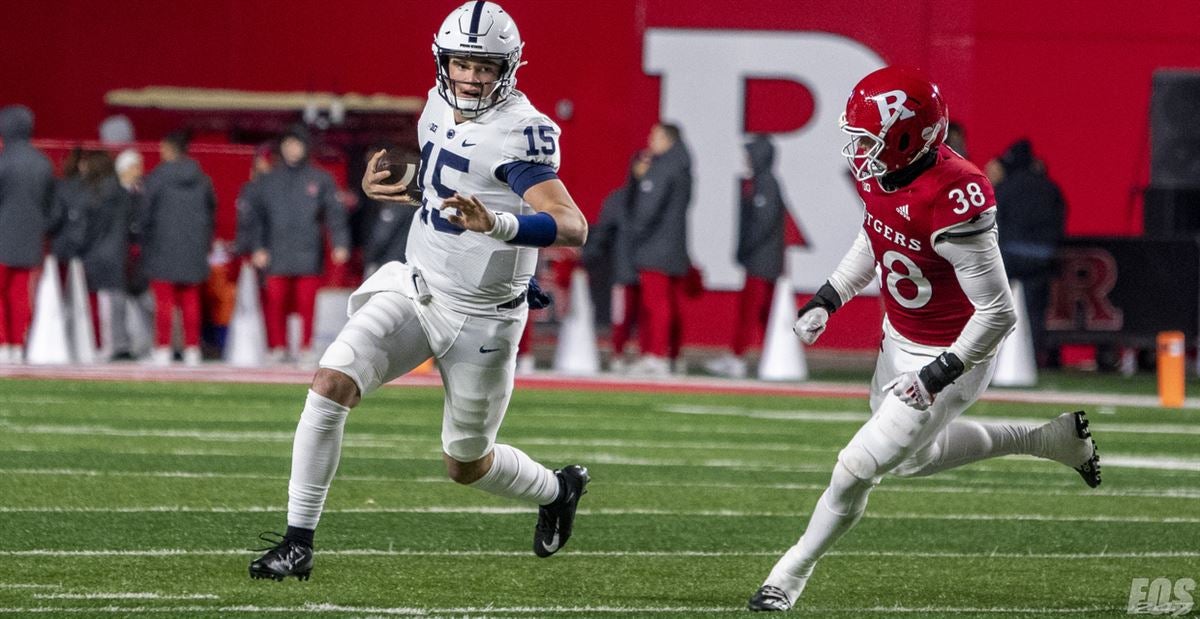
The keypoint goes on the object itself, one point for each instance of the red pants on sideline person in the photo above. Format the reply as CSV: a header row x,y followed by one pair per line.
x,y
166,296
14,305
754,308
301,292
661,328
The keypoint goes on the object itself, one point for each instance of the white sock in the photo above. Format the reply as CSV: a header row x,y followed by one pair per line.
x,y
825,527
965,441
315,454
515,475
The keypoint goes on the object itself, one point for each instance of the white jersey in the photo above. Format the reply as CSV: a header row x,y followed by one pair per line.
x,y
469,271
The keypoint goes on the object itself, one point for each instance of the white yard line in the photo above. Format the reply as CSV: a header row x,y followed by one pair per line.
x,y
1074,489
125,596
507,510
370,552
543,610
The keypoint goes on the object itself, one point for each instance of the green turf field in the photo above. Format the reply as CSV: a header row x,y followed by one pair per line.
x,y
127,498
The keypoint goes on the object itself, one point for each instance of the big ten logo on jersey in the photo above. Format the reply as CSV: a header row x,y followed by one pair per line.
x,y
1161,596
968,196
892,234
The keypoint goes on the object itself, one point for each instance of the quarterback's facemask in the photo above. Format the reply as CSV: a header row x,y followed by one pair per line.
x,y
478,30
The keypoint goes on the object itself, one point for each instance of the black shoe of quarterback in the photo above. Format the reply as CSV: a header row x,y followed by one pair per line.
x,y
1090,470
769,599
284,558
556,520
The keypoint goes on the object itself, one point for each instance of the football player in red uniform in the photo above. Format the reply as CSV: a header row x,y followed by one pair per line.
x,y
929,227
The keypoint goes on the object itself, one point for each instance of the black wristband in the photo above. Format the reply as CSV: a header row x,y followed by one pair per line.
x,y
827,297
940,372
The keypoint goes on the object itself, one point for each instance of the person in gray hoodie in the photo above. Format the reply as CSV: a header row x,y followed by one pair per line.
x,y
26,199
659,234
177,234
759,252
292,201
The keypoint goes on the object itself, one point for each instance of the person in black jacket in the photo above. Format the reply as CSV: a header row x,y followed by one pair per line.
x,y
292,202
660,255
26,198
759,251
1030,216
610,250
177,234
107,224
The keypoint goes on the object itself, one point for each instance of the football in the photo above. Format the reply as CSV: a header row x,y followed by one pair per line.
x,y
403,167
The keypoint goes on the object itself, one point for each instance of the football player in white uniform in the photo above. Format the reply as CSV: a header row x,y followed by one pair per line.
x,y
492,196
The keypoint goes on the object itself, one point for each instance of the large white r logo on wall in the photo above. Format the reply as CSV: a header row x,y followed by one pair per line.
x,y
703,89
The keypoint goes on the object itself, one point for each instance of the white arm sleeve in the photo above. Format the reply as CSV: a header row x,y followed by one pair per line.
x,y
973,250
856,269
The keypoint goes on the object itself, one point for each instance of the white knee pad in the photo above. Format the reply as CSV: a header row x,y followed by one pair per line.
x,y
858,461
887,439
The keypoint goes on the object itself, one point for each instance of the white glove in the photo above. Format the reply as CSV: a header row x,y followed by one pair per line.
x,y
911,391
810,325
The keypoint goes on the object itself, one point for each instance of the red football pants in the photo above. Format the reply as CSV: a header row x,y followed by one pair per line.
x,y
166,296
14,304
754,308
625,301
298,293
661,319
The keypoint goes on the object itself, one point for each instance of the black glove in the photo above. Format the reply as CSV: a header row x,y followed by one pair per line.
x,y
537,298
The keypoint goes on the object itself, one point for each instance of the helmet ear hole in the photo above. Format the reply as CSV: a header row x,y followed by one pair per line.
x,y
903,144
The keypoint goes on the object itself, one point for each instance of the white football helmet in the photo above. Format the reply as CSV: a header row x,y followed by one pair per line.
x,y
478,29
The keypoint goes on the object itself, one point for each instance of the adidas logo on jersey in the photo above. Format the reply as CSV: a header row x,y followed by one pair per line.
x,y
903,210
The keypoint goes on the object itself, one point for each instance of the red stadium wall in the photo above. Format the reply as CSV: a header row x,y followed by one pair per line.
x,y
1074,77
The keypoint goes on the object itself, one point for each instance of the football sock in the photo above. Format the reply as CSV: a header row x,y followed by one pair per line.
x,y
315,454
300,535
836,512
965,441
515,475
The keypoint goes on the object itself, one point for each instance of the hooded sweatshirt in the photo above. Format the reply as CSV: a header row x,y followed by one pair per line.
x,y
291,202
660,214
26,191
760,234
177,226
1030,210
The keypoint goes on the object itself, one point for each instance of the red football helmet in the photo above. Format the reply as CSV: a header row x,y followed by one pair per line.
x,y
894,116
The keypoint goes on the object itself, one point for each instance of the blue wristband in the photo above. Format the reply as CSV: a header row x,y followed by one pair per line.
x,y
537,230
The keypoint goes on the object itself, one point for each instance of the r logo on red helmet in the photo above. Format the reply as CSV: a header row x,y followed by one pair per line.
x,y
891,107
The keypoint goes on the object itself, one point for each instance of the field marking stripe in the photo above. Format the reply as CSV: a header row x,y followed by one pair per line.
x,y
1040,490
370,552
540,610
125,595
719,513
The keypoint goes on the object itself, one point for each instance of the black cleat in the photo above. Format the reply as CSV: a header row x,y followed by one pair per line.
x,y
284,558
769,599
1090,470
556,519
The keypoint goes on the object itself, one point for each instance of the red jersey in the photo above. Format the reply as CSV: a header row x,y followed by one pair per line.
x,y
921,295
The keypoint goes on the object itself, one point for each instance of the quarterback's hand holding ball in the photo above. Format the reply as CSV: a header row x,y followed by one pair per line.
x,y
381,181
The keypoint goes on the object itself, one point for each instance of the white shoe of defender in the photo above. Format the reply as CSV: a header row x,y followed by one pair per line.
x,y
191,356
162,356
1067,439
